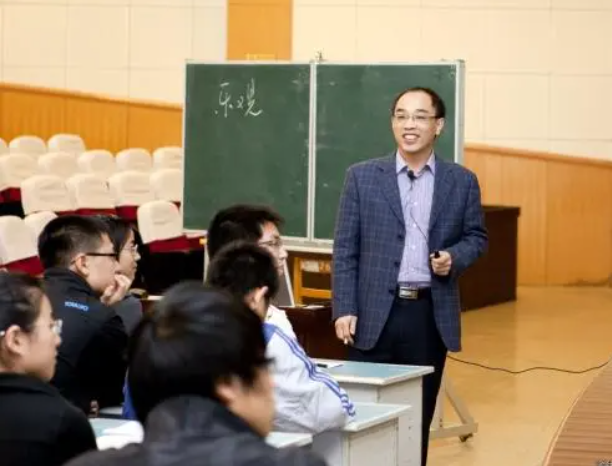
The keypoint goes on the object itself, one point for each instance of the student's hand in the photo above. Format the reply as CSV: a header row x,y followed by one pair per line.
x,y
441,265
345,329
117,291
94,409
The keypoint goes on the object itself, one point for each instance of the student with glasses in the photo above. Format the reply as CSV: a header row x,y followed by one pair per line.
x,y
82,281
37,425
123,237
255,224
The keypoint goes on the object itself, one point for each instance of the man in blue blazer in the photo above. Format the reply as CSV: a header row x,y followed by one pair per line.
x,y
408,225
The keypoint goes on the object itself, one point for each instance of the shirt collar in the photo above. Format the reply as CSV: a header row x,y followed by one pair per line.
x,y
400,164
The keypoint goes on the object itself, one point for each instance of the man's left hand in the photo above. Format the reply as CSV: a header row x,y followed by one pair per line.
x,y
441,265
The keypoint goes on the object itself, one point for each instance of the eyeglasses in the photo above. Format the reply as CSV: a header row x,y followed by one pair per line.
x,y
56,327
132,249
419,119
276,243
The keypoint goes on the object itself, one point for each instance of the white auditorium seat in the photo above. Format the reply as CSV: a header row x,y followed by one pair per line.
x,y
4,149
14,169
99,162
161,227
129,190
72,143
168,157
18,246
90,194
167,185
27,144
37,221
45,192
134,159
62,164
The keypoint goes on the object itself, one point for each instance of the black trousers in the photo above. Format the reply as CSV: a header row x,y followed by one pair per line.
x,y
411,336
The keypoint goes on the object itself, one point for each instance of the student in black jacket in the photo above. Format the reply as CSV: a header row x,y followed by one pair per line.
x,y
82,281
37,425
200,382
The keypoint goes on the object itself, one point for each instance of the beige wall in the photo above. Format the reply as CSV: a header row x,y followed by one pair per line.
x,y
539,72
121,48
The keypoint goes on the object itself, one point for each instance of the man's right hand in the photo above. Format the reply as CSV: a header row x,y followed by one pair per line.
x,y
345,329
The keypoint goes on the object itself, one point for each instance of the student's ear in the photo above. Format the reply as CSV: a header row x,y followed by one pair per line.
x,y
227,390
14,340
80,265
256,300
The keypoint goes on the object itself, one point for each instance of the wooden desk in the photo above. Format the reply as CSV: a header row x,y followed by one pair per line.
x,y
372,438
392,384
493,278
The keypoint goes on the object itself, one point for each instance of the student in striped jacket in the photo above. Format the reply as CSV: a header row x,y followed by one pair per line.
x,y
306,398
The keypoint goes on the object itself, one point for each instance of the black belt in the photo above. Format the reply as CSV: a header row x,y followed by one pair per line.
x,y
413,293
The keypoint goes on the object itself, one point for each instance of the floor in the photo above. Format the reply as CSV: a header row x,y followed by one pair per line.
x,y
518,415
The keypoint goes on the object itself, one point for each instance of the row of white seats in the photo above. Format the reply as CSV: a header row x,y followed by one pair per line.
x,y
158,221
33,145
15,170
72,143
99,162
89,192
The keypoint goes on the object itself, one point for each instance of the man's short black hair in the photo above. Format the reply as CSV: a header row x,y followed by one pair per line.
x,y
194,338
436,100
239,222
66,236
241,267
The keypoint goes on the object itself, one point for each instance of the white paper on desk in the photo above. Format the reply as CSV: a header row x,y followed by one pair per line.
x,y
131,429
114,441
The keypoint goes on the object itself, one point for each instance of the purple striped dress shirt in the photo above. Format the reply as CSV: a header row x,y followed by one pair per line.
x,y
416,197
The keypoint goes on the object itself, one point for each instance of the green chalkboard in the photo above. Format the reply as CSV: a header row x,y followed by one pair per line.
x,y
246,139
353,122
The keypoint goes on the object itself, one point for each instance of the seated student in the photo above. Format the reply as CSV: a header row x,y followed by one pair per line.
x,y
201,386
255,224
124,240
307,399
37,425
82,282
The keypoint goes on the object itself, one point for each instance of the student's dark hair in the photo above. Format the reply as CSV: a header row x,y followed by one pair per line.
x,y
241,267
68,235
20,298
436,100
239,222
194,338
118,229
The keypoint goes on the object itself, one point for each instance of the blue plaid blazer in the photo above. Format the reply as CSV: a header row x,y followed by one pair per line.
x,y
369,240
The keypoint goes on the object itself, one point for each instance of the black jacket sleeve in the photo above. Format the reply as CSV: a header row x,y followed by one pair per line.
x,y
75,436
